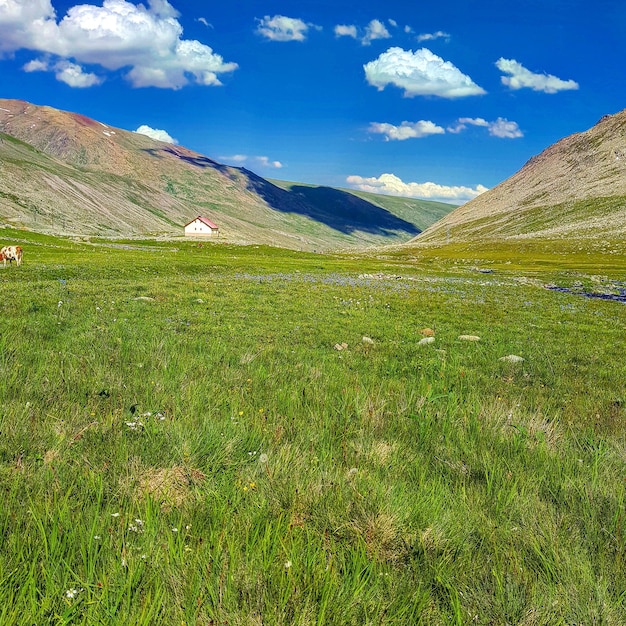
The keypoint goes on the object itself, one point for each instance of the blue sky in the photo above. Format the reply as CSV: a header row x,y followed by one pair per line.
x,y
436,100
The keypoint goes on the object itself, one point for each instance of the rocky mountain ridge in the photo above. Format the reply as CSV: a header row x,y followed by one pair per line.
x,y
575,188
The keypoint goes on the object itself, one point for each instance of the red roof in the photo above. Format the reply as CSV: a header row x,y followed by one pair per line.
x,y
205,221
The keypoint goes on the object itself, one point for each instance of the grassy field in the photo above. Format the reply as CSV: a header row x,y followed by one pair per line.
x,y
225,435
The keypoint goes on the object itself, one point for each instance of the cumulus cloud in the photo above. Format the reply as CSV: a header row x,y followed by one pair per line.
x,y
390,184
432,36
346,30
282,28
155,133
251,161
501,127
419,73
375,30
519,77
267,162
65,71
116,35
74,75
37,65
406,130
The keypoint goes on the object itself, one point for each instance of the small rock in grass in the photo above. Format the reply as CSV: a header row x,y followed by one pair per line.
x,y
341,346
512,358
368,340
469,337
427,332
425,341
144,298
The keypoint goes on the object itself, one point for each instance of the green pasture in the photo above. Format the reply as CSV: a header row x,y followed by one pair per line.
x,y
224,435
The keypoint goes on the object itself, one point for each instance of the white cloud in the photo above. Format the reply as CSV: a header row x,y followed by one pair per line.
x,y
406,130
390,184
505,129
65,71
264,161
74,76
519,77
432,36
235,158
116,35
345,30
37,65
204,21
375,30
419,73
155,133
501,127
281,28
251,161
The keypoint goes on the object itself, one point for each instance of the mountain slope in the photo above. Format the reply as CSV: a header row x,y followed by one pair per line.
x,y
575,189
62,172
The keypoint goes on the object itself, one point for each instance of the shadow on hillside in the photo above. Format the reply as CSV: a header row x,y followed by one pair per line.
x,y
197,160
338,209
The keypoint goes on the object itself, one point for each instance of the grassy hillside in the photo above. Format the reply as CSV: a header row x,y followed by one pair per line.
x,y
63,173
248,435
420,213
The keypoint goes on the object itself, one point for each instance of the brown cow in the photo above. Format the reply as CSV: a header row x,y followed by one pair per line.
x,y
10,254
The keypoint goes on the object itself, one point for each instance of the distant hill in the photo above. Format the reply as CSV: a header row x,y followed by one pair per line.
x,y
64,173
573,190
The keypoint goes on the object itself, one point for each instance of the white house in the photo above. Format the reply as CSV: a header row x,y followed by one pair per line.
x,y
201,227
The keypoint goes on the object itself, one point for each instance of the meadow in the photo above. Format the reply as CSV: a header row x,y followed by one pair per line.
x,y
226,435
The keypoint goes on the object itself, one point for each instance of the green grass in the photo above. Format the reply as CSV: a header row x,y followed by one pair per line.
x,y
199,389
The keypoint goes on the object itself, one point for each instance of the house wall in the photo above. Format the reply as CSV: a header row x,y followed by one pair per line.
x,y
199,228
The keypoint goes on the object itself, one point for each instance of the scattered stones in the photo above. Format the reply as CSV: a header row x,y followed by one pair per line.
x,y
512,358
427,332
341,346
425,341
469,337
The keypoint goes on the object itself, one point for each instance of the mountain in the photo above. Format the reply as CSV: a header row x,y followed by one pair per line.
x,y
573,190
64,173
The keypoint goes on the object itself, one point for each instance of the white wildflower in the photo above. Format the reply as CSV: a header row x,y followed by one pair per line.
x,y
512,358
263,458
137,527
288,564
72,593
